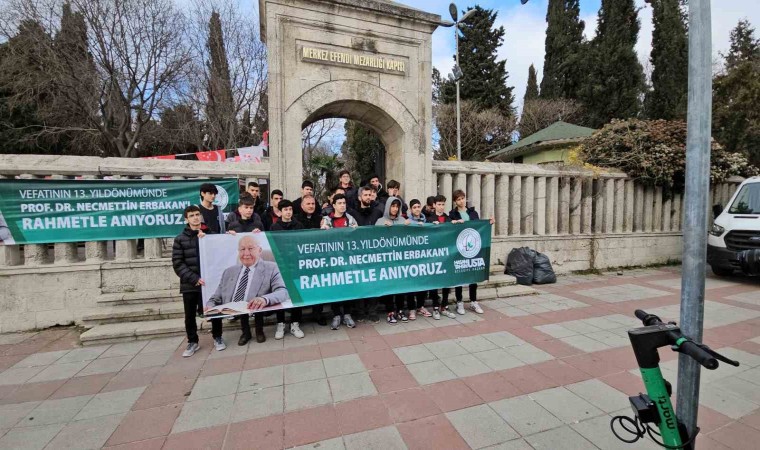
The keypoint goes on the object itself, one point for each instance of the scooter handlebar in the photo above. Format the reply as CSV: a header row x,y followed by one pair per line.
x,y
699,355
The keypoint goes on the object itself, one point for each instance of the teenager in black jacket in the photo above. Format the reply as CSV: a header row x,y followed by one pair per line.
x,y
245,219
462,213
186,264
272,213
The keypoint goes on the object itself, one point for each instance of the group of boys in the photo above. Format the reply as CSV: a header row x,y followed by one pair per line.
x,y
347,206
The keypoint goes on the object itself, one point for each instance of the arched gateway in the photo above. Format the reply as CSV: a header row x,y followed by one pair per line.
x,y
367,60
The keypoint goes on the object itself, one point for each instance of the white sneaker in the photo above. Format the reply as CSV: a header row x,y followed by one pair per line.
x,y
448,313
436,314
460,308
295,330
219,344
476,307
280,333
192,347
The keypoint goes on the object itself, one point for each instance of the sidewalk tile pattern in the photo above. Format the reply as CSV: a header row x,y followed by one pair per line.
x,y
547,371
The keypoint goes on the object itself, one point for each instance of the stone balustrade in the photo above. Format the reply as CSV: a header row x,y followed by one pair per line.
x,y
529,200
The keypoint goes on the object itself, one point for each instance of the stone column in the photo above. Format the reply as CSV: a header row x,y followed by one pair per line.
x,y
629,206
552,205
667,212
126,250
444,188
587,205
599,189
657,214
487,192
576,193
619,205
675,224
502,205
95,251
539,206
36,254
473,191
648,209
638,208
526,202
152,246
564,206
64,252
515,205
609,205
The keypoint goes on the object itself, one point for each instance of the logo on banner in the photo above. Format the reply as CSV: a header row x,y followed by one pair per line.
x,y
222,197
469,245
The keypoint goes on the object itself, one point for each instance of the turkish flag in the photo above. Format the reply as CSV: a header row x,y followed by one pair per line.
x,y
213,155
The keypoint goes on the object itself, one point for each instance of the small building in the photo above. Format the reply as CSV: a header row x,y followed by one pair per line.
x,y
550,145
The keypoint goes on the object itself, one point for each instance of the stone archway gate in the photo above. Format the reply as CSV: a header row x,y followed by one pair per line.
x,y
366,60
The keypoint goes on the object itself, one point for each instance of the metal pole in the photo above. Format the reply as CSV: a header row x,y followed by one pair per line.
x,y
459,125
699,121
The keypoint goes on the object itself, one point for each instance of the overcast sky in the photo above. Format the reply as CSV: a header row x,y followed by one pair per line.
x,y
525,31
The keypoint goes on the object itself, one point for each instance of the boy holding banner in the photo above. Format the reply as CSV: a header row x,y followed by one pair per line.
x,y
438,216
394,303
186,264
339,218
286,223
417,299
461,213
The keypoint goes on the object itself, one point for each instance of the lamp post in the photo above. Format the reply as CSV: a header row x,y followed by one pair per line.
x,y
457,71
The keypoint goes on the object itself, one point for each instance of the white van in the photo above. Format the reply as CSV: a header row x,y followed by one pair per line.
x,y
736,228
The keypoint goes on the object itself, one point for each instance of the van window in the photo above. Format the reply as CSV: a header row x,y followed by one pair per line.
x,y
748,200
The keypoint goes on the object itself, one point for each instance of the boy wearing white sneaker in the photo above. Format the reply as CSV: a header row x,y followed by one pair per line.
x,y
288,223
186,264
461,213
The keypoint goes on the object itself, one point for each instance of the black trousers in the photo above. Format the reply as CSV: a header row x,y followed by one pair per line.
x,y
473,288
296,314
340,308
245,325
191,300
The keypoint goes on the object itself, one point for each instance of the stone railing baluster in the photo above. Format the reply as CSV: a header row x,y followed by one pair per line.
x,y
540,207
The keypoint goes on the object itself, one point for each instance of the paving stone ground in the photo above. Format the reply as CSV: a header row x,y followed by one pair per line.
x,y
542,372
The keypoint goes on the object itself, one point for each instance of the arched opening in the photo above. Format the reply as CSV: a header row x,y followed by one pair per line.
x,y
365,135
407,156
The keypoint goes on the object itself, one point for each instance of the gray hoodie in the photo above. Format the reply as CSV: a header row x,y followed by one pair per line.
x,y
399,220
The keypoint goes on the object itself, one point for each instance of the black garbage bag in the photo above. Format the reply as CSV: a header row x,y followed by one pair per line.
x,y
520,265
542,270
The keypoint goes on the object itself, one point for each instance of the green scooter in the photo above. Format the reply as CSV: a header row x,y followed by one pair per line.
x,y
655,407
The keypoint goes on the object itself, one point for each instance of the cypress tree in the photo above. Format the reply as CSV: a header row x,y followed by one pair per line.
x,y
736,94
615,79
744,47
362,149
670,59
220,108
563,69
531,91
484,78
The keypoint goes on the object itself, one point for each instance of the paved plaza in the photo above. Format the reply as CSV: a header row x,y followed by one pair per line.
x,y
546,371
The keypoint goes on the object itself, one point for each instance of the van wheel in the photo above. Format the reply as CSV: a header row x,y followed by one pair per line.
x,y
722,271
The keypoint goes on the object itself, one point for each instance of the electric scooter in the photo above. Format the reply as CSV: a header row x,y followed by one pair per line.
x,y
655,407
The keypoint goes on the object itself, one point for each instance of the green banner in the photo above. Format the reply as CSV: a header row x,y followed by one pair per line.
x,y
47,211
350,263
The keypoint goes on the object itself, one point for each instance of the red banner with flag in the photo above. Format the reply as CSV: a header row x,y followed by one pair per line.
x,y
212,155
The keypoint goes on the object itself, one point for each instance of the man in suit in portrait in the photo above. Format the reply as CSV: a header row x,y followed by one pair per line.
x,y
252,280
